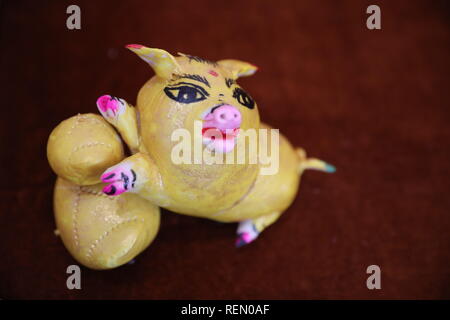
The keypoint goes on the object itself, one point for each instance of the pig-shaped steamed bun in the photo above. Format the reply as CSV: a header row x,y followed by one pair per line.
x,y
197,148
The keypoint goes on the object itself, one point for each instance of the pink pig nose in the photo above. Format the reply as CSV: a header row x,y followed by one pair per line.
x,y
227,117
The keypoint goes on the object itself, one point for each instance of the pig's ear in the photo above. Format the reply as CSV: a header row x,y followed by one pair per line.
x,y
162,62
238,68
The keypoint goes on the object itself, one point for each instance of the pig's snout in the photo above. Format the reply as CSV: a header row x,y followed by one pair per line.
x,y
224,117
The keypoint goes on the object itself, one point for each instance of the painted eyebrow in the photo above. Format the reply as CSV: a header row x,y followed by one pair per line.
x,y
201,60
195,77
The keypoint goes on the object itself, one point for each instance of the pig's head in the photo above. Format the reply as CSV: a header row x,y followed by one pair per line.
x,y
188,90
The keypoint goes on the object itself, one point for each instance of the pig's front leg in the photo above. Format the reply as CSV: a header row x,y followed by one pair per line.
x,y
120,178
121,115
138,174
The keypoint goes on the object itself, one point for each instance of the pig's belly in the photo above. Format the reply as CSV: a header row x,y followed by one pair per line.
x,y
270,193
204,189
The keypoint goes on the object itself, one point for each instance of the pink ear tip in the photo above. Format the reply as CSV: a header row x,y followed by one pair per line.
x,y
134,46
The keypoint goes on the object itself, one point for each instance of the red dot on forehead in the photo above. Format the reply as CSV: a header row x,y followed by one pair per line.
x,y
213,73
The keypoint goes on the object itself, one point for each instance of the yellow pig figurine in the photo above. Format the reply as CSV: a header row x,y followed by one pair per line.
x,y
197,148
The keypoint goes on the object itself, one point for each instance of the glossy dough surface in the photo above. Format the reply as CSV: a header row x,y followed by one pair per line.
x,y
103,232
81,147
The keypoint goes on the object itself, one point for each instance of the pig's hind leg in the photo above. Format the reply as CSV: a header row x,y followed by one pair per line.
x,y
248,230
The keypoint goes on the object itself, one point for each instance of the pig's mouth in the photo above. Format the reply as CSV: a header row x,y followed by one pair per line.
x,y
214,133
219,140
221,128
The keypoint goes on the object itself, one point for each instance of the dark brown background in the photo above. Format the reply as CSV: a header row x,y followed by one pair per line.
x,y
374,103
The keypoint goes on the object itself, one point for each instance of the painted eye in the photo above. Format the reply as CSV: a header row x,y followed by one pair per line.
x,y
186,93
243,98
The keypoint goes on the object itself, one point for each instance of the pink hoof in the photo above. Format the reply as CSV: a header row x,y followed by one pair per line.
x,y
120,179
109,106
114,189
243,239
